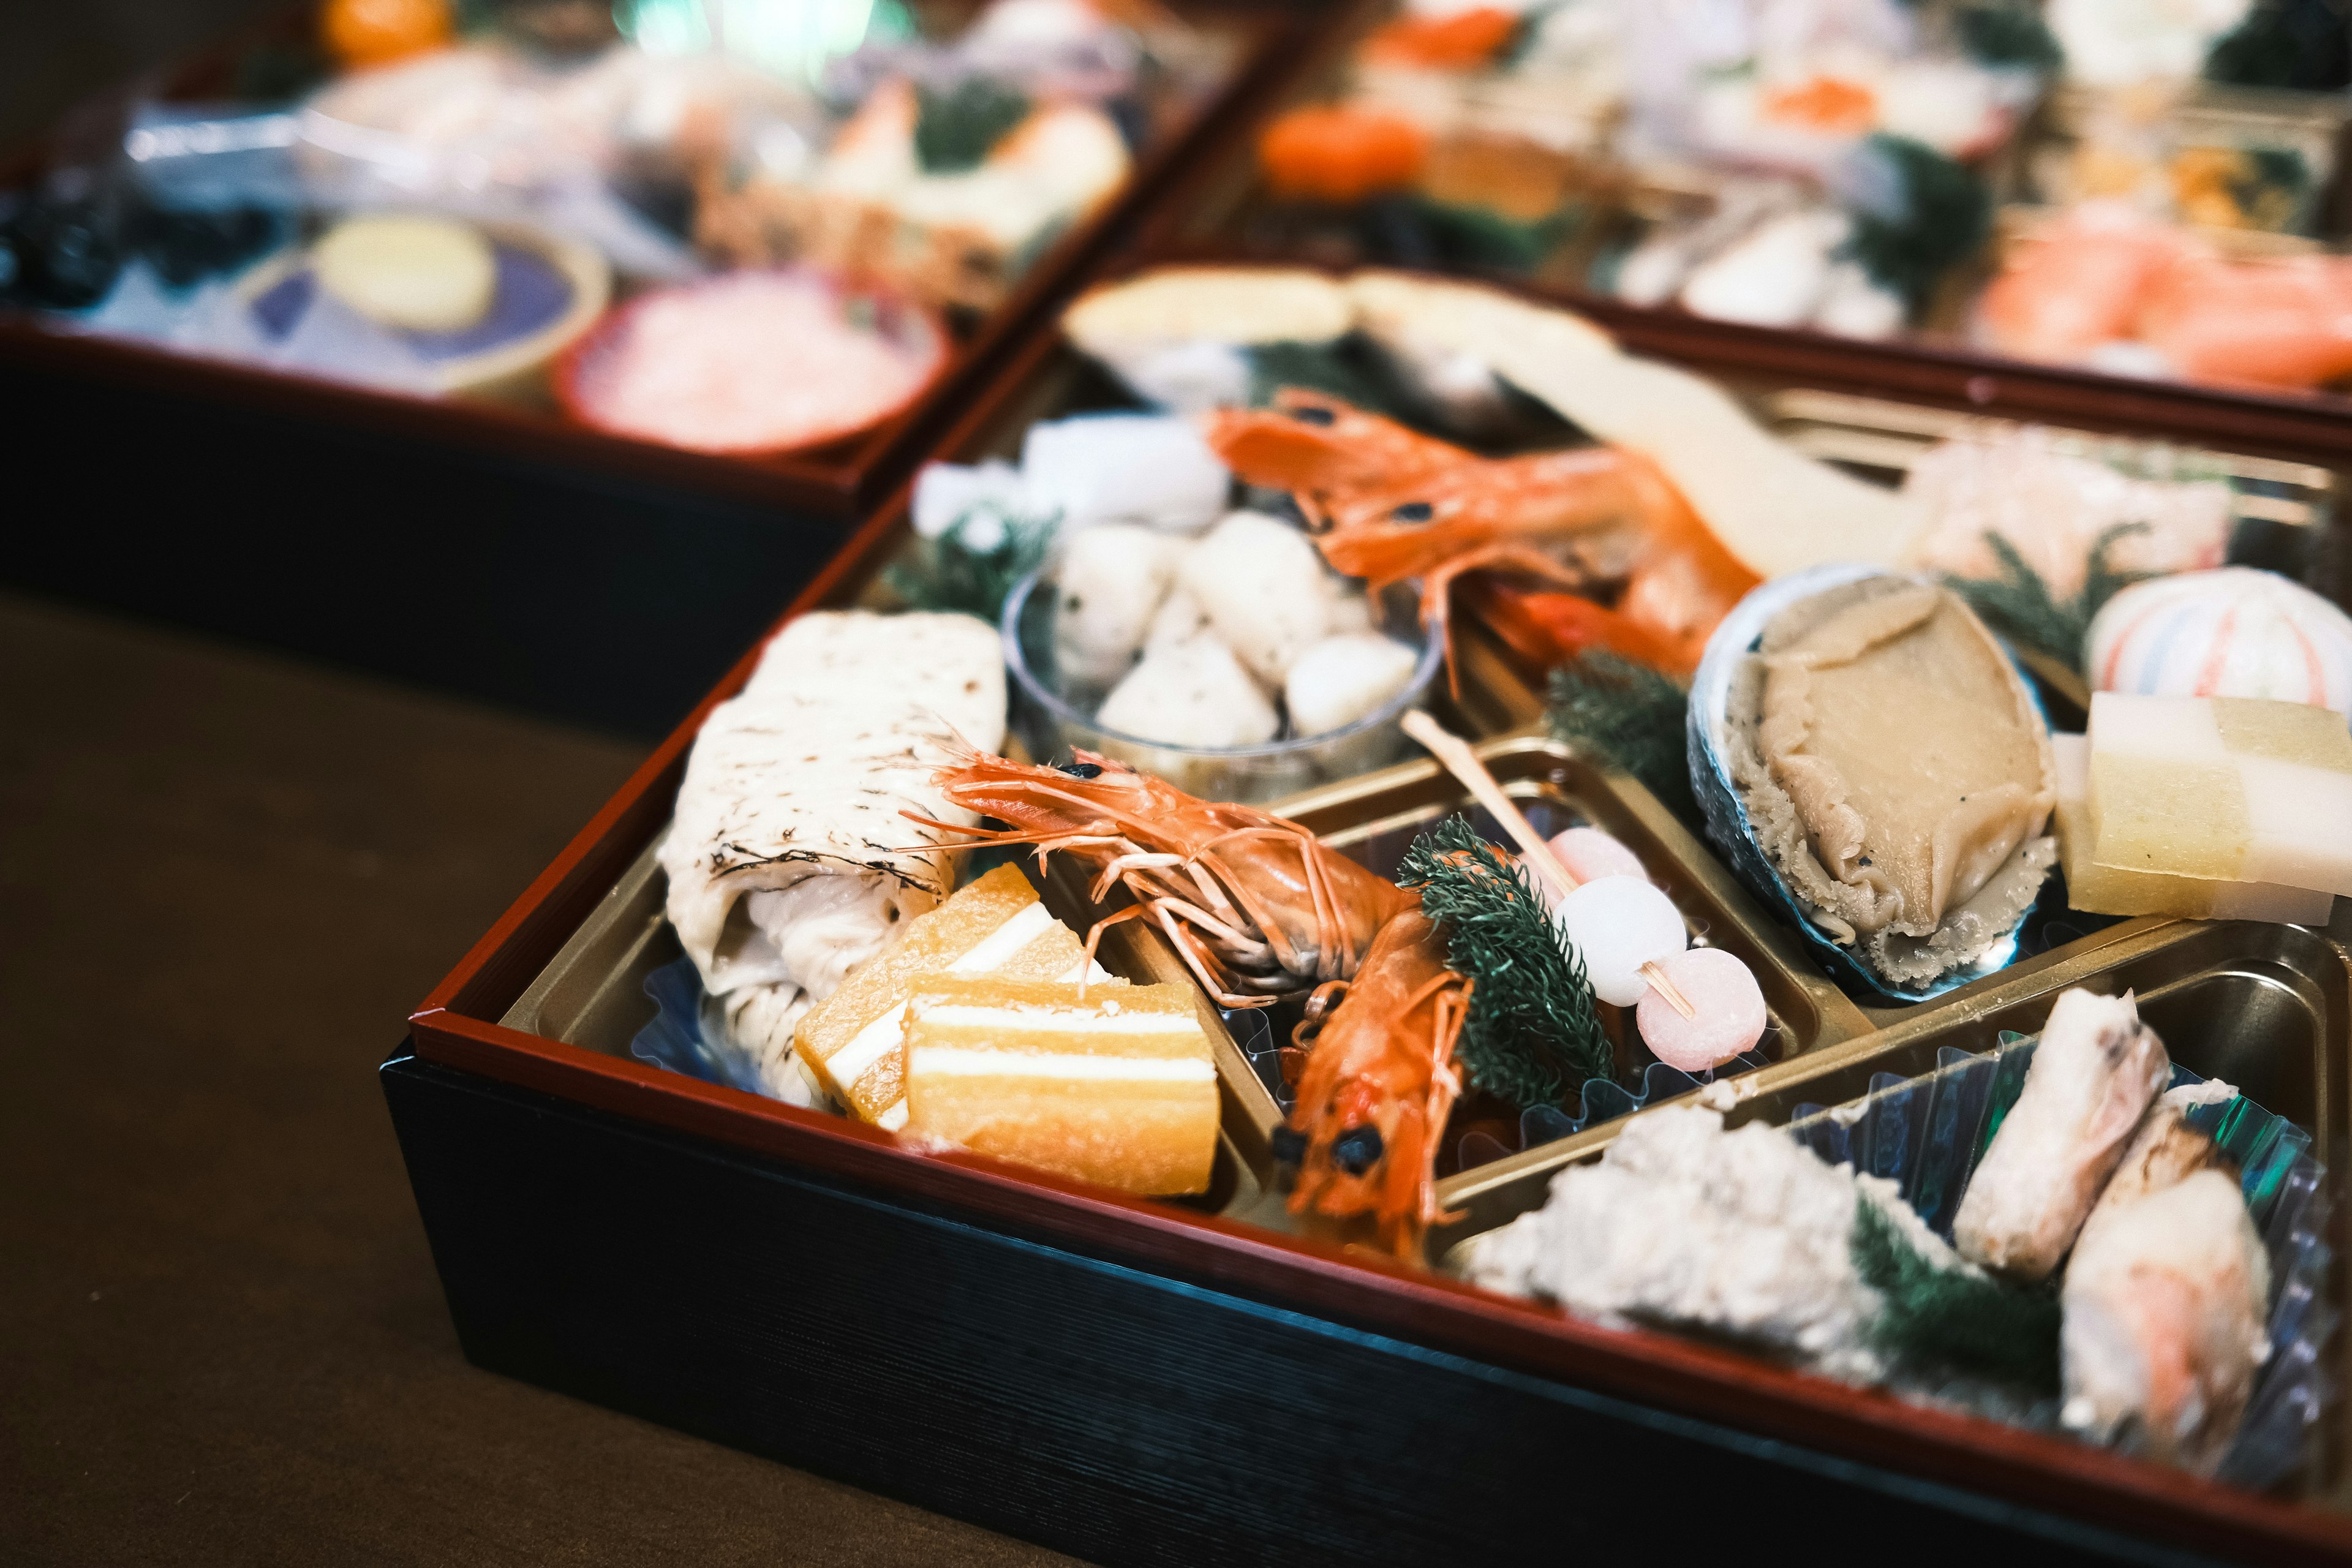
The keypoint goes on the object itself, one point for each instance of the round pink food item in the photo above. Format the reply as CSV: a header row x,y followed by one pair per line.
x,y
1590,855
751,361
1730,1015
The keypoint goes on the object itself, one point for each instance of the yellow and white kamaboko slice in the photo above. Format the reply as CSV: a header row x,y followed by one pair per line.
x,y
1116,1086
995,926
752,361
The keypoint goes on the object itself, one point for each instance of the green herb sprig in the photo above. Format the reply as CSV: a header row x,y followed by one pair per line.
x,y
1533,1036
956,130
975,563
1630,718
1954,1317
2020,605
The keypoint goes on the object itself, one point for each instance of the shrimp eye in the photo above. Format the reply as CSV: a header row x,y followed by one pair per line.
x,y
1288,1143
1413,512
1080,770
1313,415
1357,1149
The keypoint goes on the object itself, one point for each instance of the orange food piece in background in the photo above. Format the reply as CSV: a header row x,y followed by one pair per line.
x,y
2284,323
1458,42
1340,153
376,32
1826,103
2078,285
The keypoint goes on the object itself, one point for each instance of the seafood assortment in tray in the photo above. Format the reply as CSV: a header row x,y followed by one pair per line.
x,y
620,226
1678,996
2098,188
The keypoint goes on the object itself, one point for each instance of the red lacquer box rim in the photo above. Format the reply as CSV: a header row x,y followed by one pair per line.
x,y
457,1025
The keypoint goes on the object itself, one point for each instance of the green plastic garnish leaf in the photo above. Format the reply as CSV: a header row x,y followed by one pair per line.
x,y
1533,1035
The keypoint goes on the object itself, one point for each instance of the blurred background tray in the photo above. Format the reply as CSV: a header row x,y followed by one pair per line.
x,y
492,551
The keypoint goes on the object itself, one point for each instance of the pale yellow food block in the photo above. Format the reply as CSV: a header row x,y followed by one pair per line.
x,y
995,925
2228,789
1119,1087
2106,890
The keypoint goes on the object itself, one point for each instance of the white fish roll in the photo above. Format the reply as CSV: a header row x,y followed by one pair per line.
x,y
2094,1074
1265,590
2163,1332
1151,469
1110,581
948,665
1341,679
789,861
1191,694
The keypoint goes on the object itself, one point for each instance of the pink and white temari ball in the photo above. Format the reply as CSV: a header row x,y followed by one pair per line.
x,y
2233,632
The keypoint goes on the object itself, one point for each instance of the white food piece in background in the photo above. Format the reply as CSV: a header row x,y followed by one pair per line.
x,y
1341,679
1773,278
1180,618
1618,924
1124,467
1350,612
1191,694
2119,42
1184,378
1223,304
946,491
1265,590
1109,582
1854,306
1653,269
418,274
1953,106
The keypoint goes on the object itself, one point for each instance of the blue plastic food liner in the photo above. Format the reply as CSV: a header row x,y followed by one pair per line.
x,y
1926,1134
674,1040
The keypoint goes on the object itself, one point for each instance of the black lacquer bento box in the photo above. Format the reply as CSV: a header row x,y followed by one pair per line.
x,y
1183,1382
484,543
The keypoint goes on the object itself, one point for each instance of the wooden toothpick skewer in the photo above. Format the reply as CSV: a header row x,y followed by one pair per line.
x,y
1463,763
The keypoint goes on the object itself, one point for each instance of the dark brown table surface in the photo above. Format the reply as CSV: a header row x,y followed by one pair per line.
x,y
224,879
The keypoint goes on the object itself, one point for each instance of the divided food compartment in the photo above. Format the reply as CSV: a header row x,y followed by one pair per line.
x,y
2267,1008
1489,1148
594,995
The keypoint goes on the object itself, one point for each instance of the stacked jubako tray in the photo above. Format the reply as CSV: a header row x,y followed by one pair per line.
x,y
498,551
1162,1381
1208,219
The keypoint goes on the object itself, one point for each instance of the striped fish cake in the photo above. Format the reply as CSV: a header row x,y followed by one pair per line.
x,y
1118,1087
994,926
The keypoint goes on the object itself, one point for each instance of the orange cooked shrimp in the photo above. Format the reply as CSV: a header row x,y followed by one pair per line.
x,y
1379,1084
1257,907
1386,504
